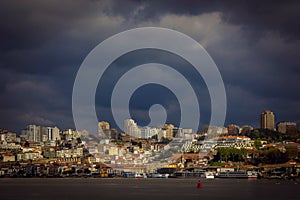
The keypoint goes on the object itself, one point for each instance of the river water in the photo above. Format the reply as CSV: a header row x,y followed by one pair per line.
x,y
184,189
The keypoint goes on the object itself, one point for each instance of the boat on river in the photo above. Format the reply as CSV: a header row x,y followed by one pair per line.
x,y
252,174
209,175
232,174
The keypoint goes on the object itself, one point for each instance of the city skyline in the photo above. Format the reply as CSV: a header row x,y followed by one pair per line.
x,y
132,128
255,46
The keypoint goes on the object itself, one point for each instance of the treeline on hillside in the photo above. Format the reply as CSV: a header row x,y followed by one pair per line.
x,y
230,154
272,136
270,155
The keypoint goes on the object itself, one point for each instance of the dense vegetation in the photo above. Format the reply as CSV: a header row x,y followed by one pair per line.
x,y
268,155
272,136
231,154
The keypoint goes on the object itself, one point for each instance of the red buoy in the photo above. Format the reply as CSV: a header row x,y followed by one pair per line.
x,y
199,185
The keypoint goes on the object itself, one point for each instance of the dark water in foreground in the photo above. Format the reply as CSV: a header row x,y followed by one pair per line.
x,y
184,189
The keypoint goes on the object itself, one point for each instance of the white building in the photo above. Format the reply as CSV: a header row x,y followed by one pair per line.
x,y
33,133
131,128
180,132
52,133
147,132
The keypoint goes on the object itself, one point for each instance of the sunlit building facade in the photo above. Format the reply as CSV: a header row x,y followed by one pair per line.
x,y
267,120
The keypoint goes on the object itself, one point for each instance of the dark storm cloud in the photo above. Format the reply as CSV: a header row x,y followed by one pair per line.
x,y
42,46
255,44
42,34
255,15
281,16
28,24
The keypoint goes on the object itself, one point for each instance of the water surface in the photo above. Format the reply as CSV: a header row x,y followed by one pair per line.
x,y
184,189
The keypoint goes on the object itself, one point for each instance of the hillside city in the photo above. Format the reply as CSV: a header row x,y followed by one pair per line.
x,y
272,149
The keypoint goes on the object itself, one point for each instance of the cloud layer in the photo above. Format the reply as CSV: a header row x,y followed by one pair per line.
x,y
42,44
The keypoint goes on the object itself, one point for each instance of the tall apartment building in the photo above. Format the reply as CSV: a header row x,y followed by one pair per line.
x,y
35,133
267,120
169,130
127,124
131,128
52,133
104,130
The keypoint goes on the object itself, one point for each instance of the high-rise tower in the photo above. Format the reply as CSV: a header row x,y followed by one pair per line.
x,y
267,120
131,128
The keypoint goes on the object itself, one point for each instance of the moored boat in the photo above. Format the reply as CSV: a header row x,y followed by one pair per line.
x,y
157,175
209,175
188,174
252,174
233,174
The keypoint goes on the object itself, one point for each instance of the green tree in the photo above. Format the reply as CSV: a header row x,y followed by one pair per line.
x,y
257,143
256,134
274,155
231,154
223,154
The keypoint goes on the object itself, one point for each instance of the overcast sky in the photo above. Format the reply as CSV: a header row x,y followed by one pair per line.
x,y
255,45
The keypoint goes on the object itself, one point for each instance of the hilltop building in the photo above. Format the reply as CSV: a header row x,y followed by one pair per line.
x,y
286,127
267,120
104,130
35,133
131,128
